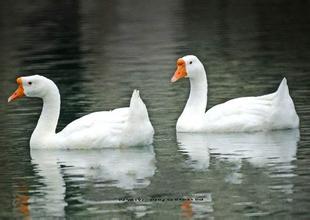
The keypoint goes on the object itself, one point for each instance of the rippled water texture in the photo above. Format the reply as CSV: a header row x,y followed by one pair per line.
x,y
97,52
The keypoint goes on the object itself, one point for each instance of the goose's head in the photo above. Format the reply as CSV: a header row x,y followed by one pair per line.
x,y
189,67
32,86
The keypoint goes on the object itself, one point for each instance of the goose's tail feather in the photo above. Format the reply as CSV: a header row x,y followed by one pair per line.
x,y
139,130
137,108
282,93
285,115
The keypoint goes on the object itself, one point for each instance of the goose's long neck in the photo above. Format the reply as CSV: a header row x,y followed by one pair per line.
x,y
197,101
48,120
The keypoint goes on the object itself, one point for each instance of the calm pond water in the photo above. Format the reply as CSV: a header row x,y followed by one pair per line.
x,y
97,52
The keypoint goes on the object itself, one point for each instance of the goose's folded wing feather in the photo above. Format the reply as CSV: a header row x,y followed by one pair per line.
x,y
241,113
96,128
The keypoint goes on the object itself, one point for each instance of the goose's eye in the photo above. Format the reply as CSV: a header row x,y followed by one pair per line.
x,y
191,62
29,83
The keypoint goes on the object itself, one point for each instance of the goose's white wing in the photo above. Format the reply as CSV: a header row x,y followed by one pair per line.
x,y
241,114
96,129
267,112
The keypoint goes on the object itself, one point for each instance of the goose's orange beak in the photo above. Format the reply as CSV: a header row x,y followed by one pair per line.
x,y
19,91
180,72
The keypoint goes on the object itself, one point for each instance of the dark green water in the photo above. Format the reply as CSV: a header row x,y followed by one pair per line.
x,y
97,52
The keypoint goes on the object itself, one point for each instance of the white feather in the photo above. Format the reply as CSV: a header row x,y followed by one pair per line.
x,y
128,126
246,114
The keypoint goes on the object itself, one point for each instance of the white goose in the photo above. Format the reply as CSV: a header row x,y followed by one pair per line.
x,y
121,127
247,114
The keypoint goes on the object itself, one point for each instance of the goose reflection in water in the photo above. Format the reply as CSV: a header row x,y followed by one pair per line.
x,y
259,149
238,153
122,168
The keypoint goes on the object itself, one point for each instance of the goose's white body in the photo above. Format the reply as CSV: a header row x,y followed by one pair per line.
x,y
121,127
247,114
